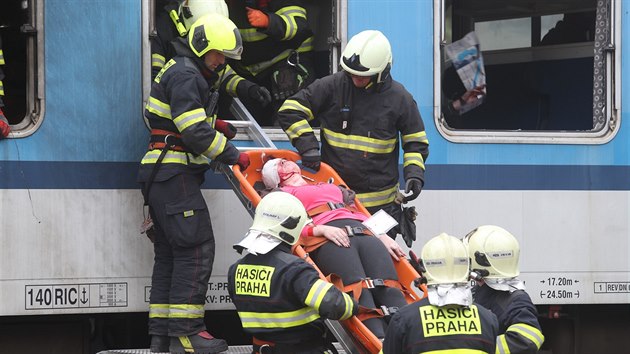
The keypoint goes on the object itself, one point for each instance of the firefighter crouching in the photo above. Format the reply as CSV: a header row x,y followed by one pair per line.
x,y
495,256
280,298
446,321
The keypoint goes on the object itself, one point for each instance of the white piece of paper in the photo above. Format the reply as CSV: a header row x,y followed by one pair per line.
x,y
380,222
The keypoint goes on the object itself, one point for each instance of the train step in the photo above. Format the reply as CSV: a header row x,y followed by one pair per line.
x,y
244,349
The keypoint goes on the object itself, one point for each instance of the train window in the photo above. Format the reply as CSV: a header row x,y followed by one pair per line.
x,y
325,18
21,24
549,66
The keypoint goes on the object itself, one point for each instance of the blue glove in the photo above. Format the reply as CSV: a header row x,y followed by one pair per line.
x,y
413,186
311,159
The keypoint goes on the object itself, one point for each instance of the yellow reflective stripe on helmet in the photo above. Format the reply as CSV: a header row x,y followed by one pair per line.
x,y
1,57
360,143
186,311
251,35
413,158
157,60
530,332
317,293
158,311
288,15
173,157
373,199
278,319
419,137
158,108
502,346
306,46
349,305
216,147
189,118
297,106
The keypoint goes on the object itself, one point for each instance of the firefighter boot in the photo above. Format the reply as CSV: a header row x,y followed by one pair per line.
x,y
159,344
200,343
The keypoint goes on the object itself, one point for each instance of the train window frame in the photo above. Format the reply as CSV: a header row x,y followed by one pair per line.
x,y
610,52
34,90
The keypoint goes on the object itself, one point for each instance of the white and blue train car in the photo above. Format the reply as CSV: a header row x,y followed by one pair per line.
x,y
546,156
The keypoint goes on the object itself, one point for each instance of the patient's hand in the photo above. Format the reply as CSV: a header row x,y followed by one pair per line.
x,y
392,246
334,234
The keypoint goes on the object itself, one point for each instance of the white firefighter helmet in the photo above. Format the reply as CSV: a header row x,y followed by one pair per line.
x,y
214,31
445,260
192,10
493,251
368,53
279,218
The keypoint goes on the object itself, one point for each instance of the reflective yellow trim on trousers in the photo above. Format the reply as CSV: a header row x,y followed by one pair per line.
x,y
173,157
186,311
1,57
413,158
278,319
157,60
189,118
419,137
359,143
158,108
1,88
158,310
257,68
288,15
383,197
216,147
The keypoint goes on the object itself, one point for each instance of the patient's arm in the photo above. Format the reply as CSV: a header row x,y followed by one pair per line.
x,y
392,246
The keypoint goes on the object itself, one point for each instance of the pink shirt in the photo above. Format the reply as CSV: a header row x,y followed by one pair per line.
x,y
314,195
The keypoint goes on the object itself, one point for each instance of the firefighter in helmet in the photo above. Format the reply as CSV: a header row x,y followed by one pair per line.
x,y
446,320
279,297
181,113
495,267
365,116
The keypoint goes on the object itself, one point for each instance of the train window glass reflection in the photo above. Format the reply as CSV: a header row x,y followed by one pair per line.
x,y
22,81
545,67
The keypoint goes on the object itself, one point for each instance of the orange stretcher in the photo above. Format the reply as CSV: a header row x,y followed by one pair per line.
x,y
250,182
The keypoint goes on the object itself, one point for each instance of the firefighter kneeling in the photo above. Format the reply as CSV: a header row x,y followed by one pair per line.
x,y
280,298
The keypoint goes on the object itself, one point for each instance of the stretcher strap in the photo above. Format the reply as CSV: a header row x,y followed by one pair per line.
x,y
365,313
330,206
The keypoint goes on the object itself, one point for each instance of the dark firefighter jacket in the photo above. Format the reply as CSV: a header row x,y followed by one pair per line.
x,y
287,31
519,329
162,51
179,99
360,131
421,327
280,298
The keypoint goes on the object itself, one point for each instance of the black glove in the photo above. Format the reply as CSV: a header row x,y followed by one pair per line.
x,y
311,159
259,94
413,185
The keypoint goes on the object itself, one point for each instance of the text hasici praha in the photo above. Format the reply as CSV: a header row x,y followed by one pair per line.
x,y
253,280
450,320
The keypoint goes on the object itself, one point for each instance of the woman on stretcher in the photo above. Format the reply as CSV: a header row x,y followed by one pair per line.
x,y
339,243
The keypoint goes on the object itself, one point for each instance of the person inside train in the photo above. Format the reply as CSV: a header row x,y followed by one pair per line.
x,y
279,297
495,268
340,244
278,49
174,19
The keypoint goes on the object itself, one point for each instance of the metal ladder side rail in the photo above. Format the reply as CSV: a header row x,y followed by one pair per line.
x,y
256,133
